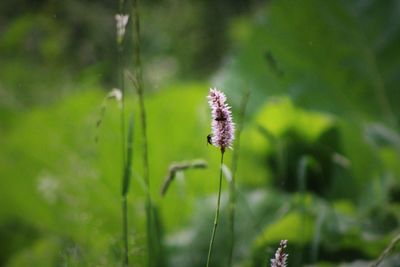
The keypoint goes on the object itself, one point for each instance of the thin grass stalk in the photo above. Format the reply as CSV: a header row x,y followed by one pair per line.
x,y
306,163
125,231
122,110
387,251
302,184
139,85
124,163
125,189
124,207
120,63
216,211
122,86
232,185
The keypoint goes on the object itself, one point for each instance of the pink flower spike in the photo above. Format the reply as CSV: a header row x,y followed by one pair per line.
x,y
222,125
280,259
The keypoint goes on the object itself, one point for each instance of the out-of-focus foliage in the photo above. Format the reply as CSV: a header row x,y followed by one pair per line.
x,y
73,42
318,162
331,55
337,57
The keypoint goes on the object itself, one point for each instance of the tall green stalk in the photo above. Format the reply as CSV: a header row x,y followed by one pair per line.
x,y
139,85
232,185
125,231
125,260
125,188
124,163
145,157
217,210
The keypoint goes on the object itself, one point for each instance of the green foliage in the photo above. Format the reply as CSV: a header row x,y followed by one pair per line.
x,y
320,56
44,252
319,153
60,185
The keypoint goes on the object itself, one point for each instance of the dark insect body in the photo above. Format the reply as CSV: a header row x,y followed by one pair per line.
x,y
209,139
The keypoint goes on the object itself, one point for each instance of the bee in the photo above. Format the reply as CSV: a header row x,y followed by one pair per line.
x,y
221,118
209,139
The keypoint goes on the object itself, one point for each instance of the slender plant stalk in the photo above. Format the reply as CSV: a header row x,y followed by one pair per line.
x,y
122,85
139,85
124,163
122,110
123,146
216,211
125,188
386,252
125,230
232,186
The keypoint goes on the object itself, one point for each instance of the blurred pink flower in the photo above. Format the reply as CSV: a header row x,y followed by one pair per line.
x,y
222,126
280,259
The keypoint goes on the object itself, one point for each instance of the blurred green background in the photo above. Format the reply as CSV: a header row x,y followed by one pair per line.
x,y
320,150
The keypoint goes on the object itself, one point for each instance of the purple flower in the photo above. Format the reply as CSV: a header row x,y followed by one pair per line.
x,y
222,126
280,259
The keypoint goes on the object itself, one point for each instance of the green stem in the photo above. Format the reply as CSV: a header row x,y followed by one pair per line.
x,y
232,187
125,230
232,211
386,252
217,211
123,145
125,188
122,111
139,84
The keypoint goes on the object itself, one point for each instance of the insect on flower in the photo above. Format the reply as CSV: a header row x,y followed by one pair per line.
x,y
220,119
222,125
222,137
209,138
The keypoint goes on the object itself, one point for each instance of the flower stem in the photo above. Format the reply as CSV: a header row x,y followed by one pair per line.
x,y
217,210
